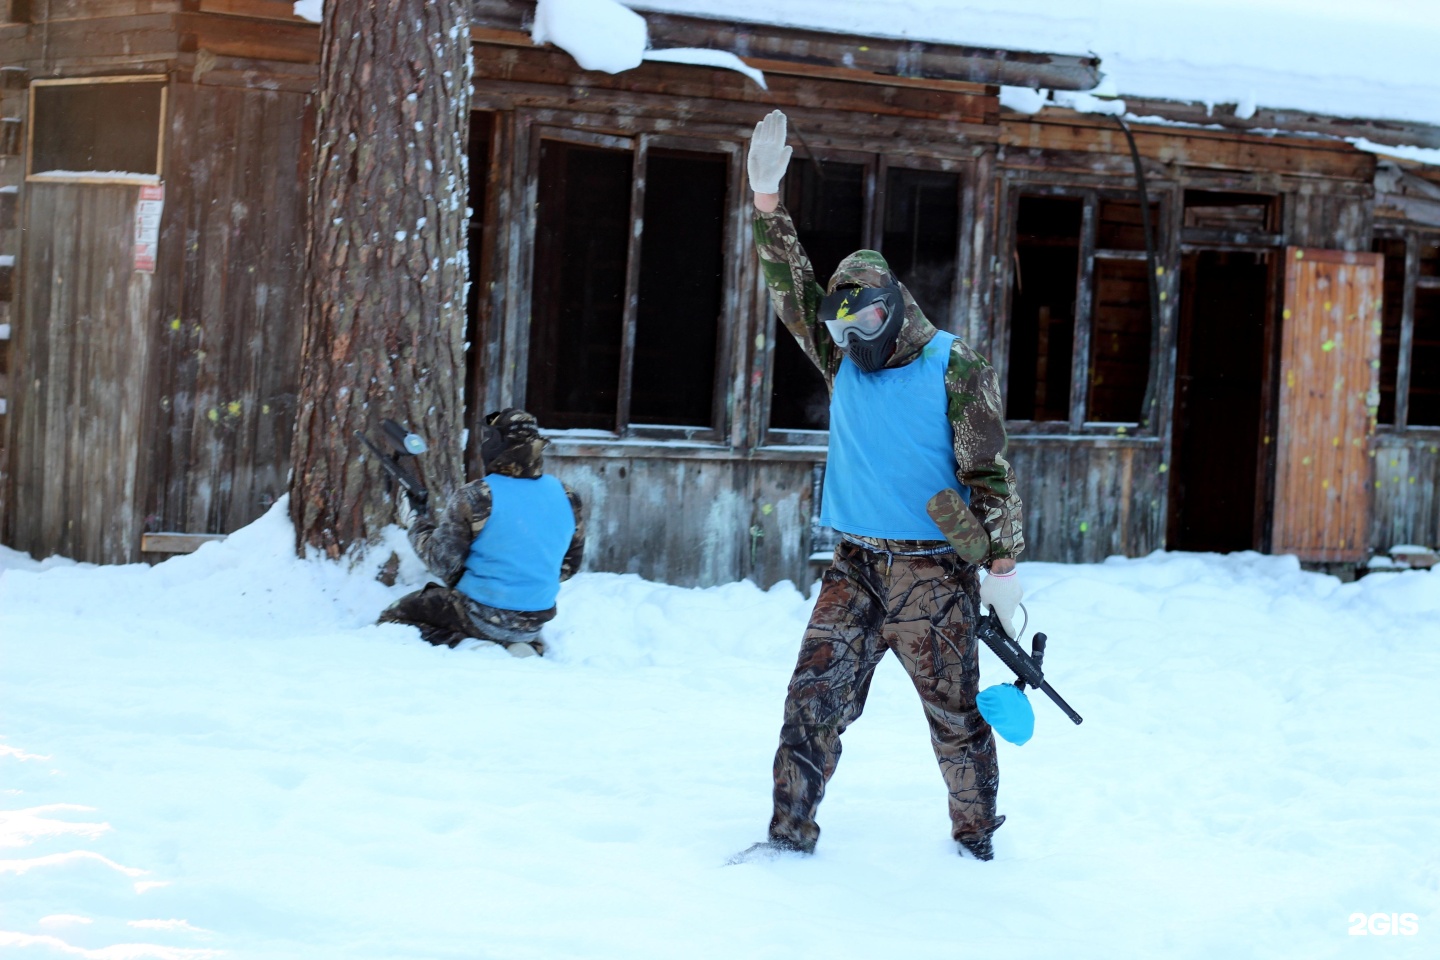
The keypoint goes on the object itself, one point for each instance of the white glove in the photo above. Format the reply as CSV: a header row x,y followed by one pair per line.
x,y
1002,592
768,156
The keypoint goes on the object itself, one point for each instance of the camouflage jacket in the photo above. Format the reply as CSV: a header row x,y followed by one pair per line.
x,y
972,386
443,541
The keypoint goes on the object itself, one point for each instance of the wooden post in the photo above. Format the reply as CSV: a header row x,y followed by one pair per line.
x,y
385,260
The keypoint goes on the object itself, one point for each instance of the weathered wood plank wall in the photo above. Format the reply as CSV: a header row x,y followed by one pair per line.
x,y
1089,499
1407,490
227,330
80,415
694,522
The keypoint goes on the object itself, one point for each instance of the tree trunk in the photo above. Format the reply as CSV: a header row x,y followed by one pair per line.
x,y
385,261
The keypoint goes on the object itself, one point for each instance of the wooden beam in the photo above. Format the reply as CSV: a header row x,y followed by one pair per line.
x,y
176,542
1087,133
861,54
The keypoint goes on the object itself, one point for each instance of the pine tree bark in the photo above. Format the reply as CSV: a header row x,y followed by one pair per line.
x,y
386,261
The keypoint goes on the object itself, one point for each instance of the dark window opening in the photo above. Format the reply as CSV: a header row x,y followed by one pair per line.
x,y
1394,311
922,236
97,128
1042,312
827,202
682,264
1218,403
1425,359
1119,341
1429,257
578,298
1233,212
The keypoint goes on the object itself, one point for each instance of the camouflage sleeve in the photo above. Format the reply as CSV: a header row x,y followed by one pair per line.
x,y
443,542
575,556
977,423
793,291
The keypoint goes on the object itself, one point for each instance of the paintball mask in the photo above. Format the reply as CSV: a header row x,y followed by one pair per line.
x,y
521,449
865,322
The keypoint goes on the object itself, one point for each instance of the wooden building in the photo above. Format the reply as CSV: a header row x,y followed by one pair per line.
x,y
616,292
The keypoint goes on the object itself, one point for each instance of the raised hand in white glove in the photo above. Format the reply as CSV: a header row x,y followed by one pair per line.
x,y
768,156
1001,591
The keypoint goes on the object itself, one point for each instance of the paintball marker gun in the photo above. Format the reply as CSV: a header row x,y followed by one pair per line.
x,y
1026,666
402,444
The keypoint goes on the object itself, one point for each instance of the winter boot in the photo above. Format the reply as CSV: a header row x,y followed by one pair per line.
x,y
769,850
981,847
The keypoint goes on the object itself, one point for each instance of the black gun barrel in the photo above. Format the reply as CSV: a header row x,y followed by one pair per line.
x,y
414,487
1025,667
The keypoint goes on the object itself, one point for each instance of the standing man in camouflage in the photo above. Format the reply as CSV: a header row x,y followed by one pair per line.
x,y
502,545
913,411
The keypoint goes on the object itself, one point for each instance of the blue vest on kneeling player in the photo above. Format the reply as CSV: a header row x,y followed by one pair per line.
x,y
514,562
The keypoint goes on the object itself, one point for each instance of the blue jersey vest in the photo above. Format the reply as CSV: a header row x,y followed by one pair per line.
x,y
514,563
891,447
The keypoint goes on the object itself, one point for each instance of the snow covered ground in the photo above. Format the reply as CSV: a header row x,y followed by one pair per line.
x,y
221,756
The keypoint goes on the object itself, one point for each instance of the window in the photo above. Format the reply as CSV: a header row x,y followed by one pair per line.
x,y
1079,289
1410,330
913,219
107,129
628,290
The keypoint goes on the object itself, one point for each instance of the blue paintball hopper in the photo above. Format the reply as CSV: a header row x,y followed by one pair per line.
x,y
1006,708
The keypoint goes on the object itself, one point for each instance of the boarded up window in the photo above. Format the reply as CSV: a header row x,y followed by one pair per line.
x,y
1042,312
96,127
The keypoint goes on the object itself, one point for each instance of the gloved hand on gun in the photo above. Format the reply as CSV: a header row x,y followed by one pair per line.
x,y
1003,705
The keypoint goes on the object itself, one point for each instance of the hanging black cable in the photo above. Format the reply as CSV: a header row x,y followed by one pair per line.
x,y
1147,406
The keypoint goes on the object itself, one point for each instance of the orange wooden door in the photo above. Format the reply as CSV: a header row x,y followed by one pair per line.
x,y
1329,390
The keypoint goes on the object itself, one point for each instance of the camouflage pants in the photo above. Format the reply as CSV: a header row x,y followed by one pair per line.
x,y
448,617
923,608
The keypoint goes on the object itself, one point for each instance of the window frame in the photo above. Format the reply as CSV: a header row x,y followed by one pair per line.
x,y
1161,194
877,168
553,127
138,179
1412,237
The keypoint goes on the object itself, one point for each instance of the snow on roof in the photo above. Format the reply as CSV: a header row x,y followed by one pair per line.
x,y
1373,59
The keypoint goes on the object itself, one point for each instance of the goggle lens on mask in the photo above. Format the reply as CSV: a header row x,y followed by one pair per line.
x,y
848,321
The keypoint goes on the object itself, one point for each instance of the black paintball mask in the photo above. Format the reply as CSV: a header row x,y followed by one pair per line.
x,y
865,322
512,445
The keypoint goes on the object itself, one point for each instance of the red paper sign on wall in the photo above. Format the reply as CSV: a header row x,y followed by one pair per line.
x,y
147,226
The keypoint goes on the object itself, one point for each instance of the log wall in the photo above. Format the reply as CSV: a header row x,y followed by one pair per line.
x,y
80,415
228,315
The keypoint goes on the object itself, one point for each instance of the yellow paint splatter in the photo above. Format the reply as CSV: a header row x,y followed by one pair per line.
x,y
1120,430
1305,462
1163,295
264,408
1299,254
1412,479
1327,346
1335,442
1285,314
1327,306
1159,271
233,408
1084,527
1377,484
1324,484
175,324
1290,379
213,416
760,341
767,509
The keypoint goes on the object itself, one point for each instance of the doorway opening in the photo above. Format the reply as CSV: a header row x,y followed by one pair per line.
x,y
1218,487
